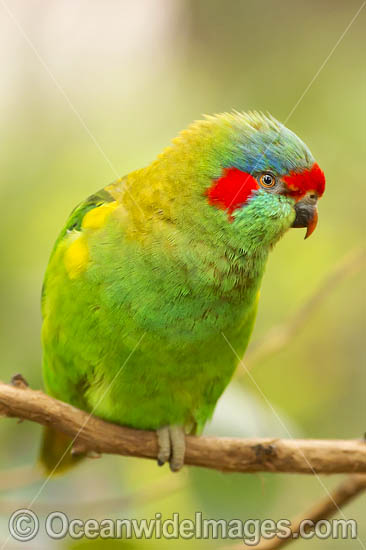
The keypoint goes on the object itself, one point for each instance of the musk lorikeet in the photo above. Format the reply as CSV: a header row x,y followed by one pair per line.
x,y
149,274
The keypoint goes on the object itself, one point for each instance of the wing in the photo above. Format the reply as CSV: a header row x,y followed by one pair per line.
x,y
100,198
65,298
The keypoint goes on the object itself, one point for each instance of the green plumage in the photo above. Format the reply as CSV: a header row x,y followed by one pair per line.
x,y
135,312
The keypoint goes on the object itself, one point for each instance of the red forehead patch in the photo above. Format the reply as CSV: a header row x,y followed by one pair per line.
x,y
309,180
232,190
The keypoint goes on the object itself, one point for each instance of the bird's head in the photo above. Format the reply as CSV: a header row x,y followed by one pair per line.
x,y
246,176
235,181
271,160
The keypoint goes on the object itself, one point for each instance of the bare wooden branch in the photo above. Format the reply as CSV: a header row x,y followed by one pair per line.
x,y
279,336
225,454
349,489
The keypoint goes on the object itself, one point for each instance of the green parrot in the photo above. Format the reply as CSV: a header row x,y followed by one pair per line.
x,y
153,273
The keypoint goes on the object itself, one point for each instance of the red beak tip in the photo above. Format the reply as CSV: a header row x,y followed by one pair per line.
x,y
312,225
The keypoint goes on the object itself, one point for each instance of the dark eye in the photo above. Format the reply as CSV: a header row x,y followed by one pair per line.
x,y
267,180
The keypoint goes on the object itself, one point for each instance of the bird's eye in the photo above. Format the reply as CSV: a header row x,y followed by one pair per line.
x,y
267,180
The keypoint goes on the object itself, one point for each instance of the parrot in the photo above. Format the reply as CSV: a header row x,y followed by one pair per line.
x,y
154,274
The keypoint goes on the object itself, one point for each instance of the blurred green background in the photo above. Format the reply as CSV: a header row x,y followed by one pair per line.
x,y
91,90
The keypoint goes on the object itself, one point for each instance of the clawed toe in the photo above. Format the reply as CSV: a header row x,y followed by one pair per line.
x,y
171,442
164,445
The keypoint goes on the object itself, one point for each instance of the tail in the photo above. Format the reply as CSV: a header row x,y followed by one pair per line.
x,y
55,454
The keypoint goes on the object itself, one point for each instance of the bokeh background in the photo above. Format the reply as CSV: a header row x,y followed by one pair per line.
x,y
91,90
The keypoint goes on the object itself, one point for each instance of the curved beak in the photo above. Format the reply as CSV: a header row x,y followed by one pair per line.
x,y
306,216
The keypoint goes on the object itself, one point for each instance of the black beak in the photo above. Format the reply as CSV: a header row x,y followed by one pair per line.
x,y
306,216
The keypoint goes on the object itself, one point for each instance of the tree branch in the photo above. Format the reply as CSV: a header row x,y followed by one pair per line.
x,y
225,454
349,489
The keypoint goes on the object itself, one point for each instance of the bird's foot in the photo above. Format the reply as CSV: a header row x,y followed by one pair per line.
x,y
172,445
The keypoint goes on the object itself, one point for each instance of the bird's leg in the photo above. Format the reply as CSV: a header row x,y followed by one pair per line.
x,y
171,443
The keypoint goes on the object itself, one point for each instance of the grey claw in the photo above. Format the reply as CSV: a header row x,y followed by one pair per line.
x,y
164,445
171,442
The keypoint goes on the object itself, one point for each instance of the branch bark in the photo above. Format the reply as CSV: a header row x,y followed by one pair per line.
x,y
225,454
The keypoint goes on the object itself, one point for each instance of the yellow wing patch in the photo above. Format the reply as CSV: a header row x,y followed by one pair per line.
x,y
95,218
76,257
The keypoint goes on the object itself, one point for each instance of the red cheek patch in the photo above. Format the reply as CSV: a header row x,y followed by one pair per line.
x,y
309,180
232,190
